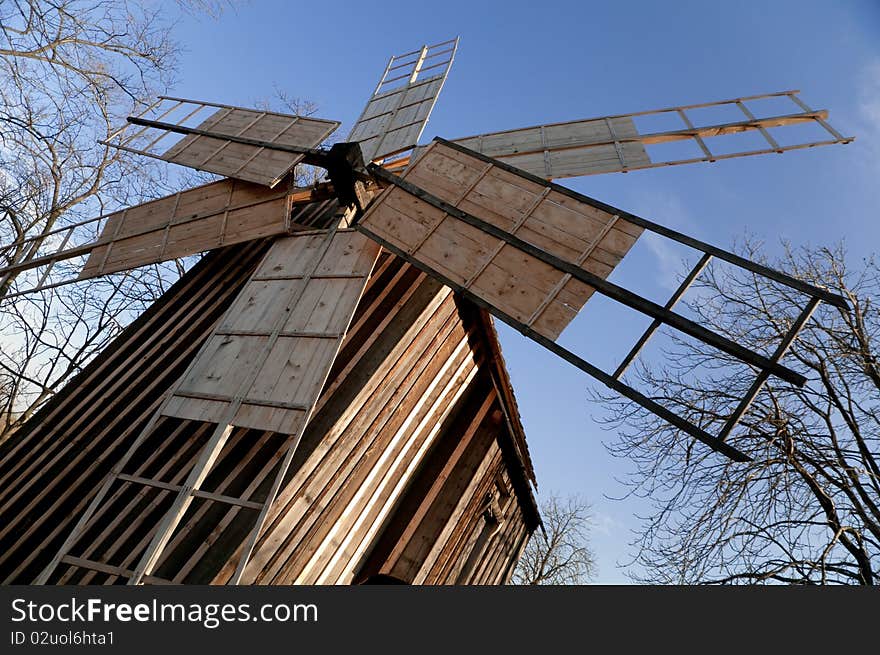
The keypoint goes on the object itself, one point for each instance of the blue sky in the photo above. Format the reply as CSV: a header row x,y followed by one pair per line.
x,y
525,63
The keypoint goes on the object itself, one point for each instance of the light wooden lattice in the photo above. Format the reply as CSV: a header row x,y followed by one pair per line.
x,y
245,144
522,286
398,111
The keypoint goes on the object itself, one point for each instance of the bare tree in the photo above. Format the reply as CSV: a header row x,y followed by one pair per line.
x,y
70,71
807,509
559,554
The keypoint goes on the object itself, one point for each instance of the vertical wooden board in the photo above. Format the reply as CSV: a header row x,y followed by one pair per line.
x,y
258,306
323,307
273,419
350,253
298,308
217,371
294,371
289,257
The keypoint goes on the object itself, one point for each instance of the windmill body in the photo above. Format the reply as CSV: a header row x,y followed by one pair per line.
x,y
322,398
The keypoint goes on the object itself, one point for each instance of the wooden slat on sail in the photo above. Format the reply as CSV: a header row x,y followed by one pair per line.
x,y
288,322
531,291
206,217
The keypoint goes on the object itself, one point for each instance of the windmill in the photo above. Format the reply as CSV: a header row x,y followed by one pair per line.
x,y
478,214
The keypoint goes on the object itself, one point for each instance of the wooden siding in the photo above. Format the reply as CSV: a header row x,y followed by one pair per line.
x,y
403,385
459,521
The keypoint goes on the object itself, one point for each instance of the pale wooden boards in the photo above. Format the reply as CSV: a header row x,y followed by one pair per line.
x,y
241,161
298,305
520,285
560,150
400,106
393,121
615,144
206,217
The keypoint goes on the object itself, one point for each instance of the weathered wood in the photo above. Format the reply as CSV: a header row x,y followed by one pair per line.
x,y
566,149
285,297
614,143
396,114
389,360
523,286
186,223
244,144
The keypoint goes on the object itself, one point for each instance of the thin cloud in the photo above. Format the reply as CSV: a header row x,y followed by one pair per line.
x,y
869,112
604,524
668,210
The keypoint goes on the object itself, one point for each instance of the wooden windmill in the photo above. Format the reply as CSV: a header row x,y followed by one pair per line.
x,y
477,215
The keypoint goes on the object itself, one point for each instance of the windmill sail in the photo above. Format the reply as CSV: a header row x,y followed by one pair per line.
x,y
615,143
263,367
398,111
206,217
531,291
245,144
532,253
181,224
271,352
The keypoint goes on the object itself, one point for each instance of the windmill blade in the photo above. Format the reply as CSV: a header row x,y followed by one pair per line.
x,y
532,253
263,366
182,224
245,144
272,350
615,143
399,108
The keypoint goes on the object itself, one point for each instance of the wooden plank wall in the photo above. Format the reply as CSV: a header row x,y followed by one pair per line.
x,y
404,383
459,521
